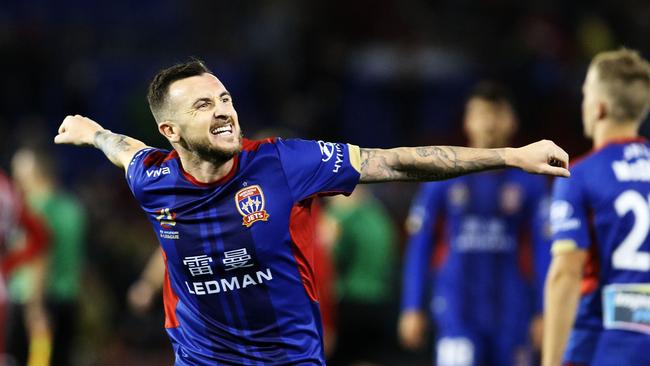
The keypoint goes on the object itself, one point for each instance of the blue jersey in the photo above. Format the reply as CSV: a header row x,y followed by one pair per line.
x,y
478,228
239,286
604,209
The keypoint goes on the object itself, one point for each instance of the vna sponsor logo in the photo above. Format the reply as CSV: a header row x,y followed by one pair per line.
x,y
154,173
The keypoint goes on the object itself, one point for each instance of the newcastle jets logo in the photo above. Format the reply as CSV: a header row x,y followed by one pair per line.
x,y
250,204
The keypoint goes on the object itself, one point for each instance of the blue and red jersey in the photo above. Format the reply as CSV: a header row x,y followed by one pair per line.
x,y
480,230
604,209
239,286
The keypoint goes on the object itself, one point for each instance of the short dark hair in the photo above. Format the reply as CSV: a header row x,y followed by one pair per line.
x,y
159,86
492,92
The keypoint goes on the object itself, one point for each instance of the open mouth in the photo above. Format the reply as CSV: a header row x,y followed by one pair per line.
x,y
222,130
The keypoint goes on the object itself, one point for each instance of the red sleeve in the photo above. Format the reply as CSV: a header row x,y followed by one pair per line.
x,y
325,277
36,240
325,282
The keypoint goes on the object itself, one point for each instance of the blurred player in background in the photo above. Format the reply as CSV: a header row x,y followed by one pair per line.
x,y
364,250
35,174
23,238
141,293
233,216
601,221
480,228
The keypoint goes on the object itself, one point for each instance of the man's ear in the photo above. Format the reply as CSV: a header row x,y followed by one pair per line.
x,y
170,131
465,123
515,126
602,110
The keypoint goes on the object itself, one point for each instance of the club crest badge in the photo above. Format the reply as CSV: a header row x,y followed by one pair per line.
x,y
250,204
512,198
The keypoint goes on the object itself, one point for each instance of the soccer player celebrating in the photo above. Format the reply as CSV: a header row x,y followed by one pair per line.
x,y
479,226
601,220
233,215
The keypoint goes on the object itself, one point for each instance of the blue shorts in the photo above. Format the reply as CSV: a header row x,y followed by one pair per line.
x,y
466,347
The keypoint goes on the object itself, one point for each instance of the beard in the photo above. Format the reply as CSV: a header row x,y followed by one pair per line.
x,y
208,152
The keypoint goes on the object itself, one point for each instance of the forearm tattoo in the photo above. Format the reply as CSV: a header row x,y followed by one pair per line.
x,y
426,163
111,143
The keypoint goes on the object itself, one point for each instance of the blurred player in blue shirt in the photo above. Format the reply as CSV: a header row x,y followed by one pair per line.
x,y
601,221
234,217
479,231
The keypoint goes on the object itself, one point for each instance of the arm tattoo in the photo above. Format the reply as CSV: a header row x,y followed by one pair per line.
x,y
426,163
112,144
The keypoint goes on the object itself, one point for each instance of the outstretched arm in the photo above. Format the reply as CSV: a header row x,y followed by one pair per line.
x,y
78,130
442,162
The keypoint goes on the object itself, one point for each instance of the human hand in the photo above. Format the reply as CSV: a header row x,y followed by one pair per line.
x,y
140,296
541,157
412,329
77,130
536,330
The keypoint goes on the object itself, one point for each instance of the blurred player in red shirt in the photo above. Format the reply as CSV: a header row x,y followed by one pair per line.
x,y
14,217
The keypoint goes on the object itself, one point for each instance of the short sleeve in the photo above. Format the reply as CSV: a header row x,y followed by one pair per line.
x,y
318,167
569,214
135,173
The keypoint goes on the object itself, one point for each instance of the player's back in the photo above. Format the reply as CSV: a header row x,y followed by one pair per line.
x,y
614,182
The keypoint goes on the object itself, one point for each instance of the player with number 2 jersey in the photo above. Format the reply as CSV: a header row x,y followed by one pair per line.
x,y
609,218
601,219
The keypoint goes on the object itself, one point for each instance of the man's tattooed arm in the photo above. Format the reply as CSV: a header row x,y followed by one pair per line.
x,y
119,149
83,131
426,163
442,162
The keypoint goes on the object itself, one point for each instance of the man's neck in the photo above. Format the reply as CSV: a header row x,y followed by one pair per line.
x,y
609,131
202,170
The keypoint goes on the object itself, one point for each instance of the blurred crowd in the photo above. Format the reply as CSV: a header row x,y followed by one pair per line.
x,y
374,73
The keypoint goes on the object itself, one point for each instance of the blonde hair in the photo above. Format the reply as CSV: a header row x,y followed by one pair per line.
x,y
624,77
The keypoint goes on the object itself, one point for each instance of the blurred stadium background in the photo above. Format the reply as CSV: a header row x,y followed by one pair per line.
x,y
375,73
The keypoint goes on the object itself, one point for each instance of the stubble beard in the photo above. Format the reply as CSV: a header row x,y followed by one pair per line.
x,y
205,151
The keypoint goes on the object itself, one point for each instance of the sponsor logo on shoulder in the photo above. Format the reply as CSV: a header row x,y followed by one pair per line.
x,y
562,219
153,173
250,204
329,150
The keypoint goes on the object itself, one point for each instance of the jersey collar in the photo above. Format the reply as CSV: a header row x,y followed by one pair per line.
x,y
174,155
